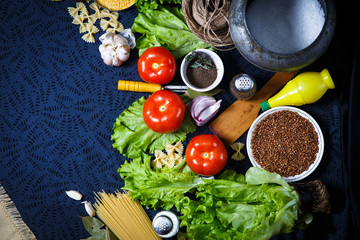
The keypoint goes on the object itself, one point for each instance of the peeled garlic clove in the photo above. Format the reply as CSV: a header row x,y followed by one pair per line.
x,y
74,194
89,208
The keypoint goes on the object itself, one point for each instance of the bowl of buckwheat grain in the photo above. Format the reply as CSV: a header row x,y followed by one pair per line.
x,y
285,140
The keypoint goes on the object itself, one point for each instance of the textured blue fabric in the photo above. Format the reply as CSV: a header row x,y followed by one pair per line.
x,y
58,103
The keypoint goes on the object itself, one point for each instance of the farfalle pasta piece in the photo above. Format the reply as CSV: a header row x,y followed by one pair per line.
x,y
82,8
78,19
172,156
73,11
97,8
114,15
115,30
91,18
91,28
82,28
237,147
114,23
175,157
158,162
88,37
104,24
105,13
168,162
177,147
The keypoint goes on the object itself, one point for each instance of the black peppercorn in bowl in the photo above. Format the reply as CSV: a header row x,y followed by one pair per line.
x,y
202,70
285,140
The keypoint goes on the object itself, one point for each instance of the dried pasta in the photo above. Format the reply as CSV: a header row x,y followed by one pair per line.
x,y
172,156
88,37
73,11
160,157
237,147
91,19
87,22
126,218
78,19
97,8
177,147
82,8
104,24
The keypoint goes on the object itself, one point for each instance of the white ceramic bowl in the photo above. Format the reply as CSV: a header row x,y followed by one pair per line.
x,y
219,66
302,113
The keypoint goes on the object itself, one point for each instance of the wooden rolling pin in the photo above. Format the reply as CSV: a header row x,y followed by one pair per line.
x,y
134,86
238,117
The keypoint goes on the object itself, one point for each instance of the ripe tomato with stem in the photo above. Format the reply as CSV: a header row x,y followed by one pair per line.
x,y
206,154
164,111
157,65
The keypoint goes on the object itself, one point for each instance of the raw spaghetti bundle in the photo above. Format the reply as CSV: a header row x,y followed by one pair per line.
x,y
126,218
208,20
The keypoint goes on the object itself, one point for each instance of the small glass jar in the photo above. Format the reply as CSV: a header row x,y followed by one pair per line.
x,y
243,86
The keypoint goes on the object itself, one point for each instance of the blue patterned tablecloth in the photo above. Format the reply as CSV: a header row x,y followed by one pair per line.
x,y
58,103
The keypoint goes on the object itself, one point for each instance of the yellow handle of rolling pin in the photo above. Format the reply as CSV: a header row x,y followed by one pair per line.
x,y
133,86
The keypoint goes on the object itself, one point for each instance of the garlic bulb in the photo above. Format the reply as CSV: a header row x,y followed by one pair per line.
x,y
89,208
114,49
74,194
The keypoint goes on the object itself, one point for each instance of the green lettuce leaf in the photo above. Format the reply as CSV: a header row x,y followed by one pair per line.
x,y
225,208
133,138
153,4
165,27
237,209
157,188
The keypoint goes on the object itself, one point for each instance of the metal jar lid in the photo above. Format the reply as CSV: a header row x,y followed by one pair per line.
x,y
243,86
166,224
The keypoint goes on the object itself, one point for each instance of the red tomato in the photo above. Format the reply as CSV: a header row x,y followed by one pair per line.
x,y
164,111
206,155
157,65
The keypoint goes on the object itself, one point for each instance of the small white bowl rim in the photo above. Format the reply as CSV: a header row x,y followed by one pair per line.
x,y
302,113
219,65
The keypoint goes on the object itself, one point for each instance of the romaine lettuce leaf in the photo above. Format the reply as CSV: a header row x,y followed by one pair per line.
x,y
165,27
157,188
236,209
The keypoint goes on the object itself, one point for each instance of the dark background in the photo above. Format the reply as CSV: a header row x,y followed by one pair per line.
x,y
59,102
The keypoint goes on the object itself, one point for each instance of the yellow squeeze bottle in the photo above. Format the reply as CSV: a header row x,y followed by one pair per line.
x,y
305,88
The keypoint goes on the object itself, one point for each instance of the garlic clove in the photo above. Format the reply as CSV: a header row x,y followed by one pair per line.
x,y
89,208
119,40
116,62
76,195
123,52
108,60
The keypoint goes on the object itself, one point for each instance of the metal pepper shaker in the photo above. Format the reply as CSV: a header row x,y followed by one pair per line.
x,y
243,86
166,224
